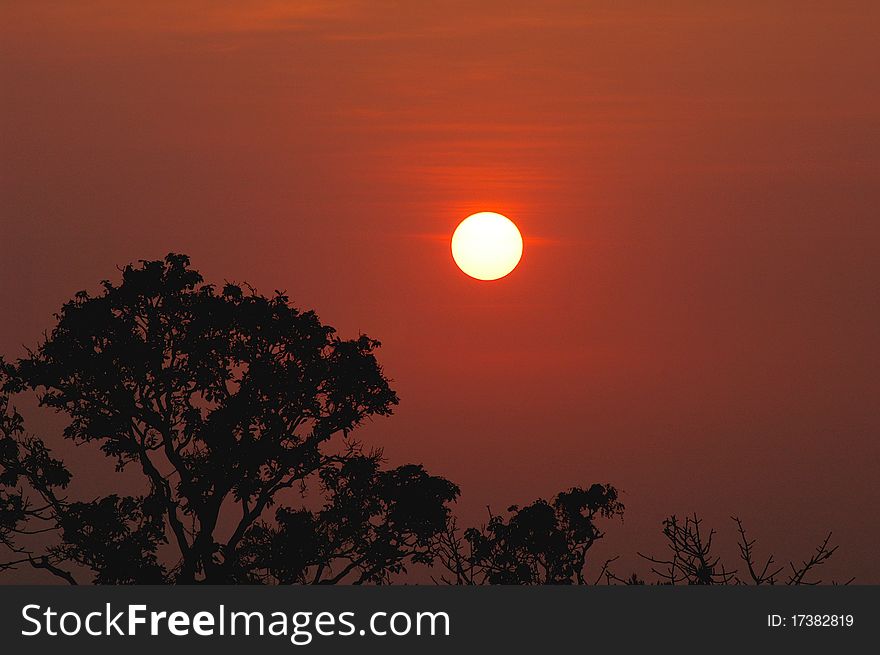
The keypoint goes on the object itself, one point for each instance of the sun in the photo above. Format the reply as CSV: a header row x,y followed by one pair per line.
x,y
487,246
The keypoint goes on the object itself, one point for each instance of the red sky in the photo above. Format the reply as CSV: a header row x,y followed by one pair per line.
x,y
696,315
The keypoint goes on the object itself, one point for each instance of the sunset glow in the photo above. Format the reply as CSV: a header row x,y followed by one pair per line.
x,y
624,243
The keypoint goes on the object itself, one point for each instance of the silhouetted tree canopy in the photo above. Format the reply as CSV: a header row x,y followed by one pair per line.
x,y
227,402
542,543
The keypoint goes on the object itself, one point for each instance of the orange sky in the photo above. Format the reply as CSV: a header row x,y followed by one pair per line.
x,y
695,318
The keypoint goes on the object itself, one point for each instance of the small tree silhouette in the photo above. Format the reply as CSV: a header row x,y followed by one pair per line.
x,y
226,403
691,560
541,543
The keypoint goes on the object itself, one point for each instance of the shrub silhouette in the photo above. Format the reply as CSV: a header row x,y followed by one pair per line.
x,y
542,543
227,403
691,560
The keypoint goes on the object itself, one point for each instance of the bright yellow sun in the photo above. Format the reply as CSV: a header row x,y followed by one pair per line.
x,y
487,246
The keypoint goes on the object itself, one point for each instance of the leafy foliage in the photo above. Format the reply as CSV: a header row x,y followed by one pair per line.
x,y
226,402
542,543
372,523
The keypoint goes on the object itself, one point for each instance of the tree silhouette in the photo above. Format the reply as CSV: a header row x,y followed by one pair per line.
x,y
226,402
541,543
691,560
233,414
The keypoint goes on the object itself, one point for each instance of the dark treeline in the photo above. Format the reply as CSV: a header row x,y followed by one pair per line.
x,y
229,407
